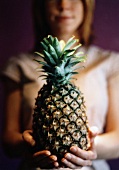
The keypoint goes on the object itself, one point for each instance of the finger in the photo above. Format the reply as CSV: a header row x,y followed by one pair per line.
x,y
27,137
56,164
70,164
77,160
87,155
94,132
49,160
44,159
42,154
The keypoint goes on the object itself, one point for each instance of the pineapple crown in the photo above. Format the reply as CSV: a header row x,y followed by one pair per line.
x,y
58,60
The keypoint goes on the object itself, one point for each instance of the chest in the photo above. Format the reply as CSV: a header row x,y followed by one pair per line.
x,y
93,84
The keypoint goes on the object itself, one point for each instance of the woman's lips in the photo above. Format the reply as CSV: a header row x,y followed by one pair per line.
x,y
63,18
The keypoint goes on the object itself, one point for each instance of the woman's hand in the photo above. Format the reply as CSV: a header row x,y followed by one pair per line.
x,y
78,158
42,159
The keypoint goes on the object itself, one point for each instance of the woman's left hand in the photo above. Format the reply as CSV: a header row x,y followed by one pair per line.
x,y
78,158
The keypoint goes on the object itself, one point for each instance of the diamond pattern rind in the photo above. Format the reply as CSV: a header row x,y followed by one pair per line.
x,y
60,120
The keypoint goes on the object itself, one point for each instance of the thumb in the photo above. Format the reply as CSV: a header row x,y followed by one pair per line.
x,y
94,131
28,138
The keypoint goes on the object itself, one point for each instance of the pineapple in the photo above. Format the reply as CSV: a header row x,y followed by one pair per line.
x,y
59,119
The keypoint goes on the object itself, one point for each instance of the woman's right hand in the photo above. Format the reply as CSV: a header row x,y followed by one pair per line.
x,y
42,159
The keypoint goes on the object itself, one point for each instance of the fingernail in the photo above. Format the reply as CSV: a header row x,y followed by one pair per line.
x,y
48,153
68,156
63,160
73,149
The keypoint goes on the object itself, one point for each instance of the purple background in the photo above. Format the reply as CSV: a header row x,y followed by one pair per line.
x,y
16,36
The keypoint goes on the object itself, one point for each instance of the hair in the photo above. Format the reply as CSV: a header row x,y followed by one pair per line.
x,y
41,29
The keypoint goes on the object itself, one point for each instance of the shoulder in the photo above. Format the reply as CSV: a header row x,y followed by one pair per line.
x,y
100,52
109,57
20,67
107,61
20,59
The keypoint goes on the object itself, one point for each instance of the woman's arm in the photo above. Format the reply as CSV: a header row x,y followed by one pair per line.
x,y
107,144
12,136
17,142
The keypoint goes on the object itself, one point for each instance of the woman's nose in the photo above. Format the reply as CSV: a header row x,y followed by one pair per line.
x,y
64,4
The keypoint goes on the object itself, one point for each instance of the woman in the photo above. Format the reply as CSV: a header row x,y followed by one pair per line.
x,y
64,18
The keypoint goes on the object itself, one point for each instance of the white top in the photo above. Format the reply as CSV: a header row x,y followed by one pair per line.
x,y
100,75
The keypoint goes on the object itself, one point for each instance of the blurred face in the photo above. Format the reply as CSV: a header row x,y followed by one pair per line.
x,y
64,16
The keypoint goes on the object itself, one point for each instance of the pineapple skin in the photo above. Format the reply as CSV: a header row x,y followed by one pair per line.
x,y
59,119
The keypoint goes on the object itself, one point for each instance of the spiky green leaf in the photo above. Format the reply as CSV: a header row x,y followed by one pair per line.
x,y
70,43
53,53
59,64
44,46
57,46
49,59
